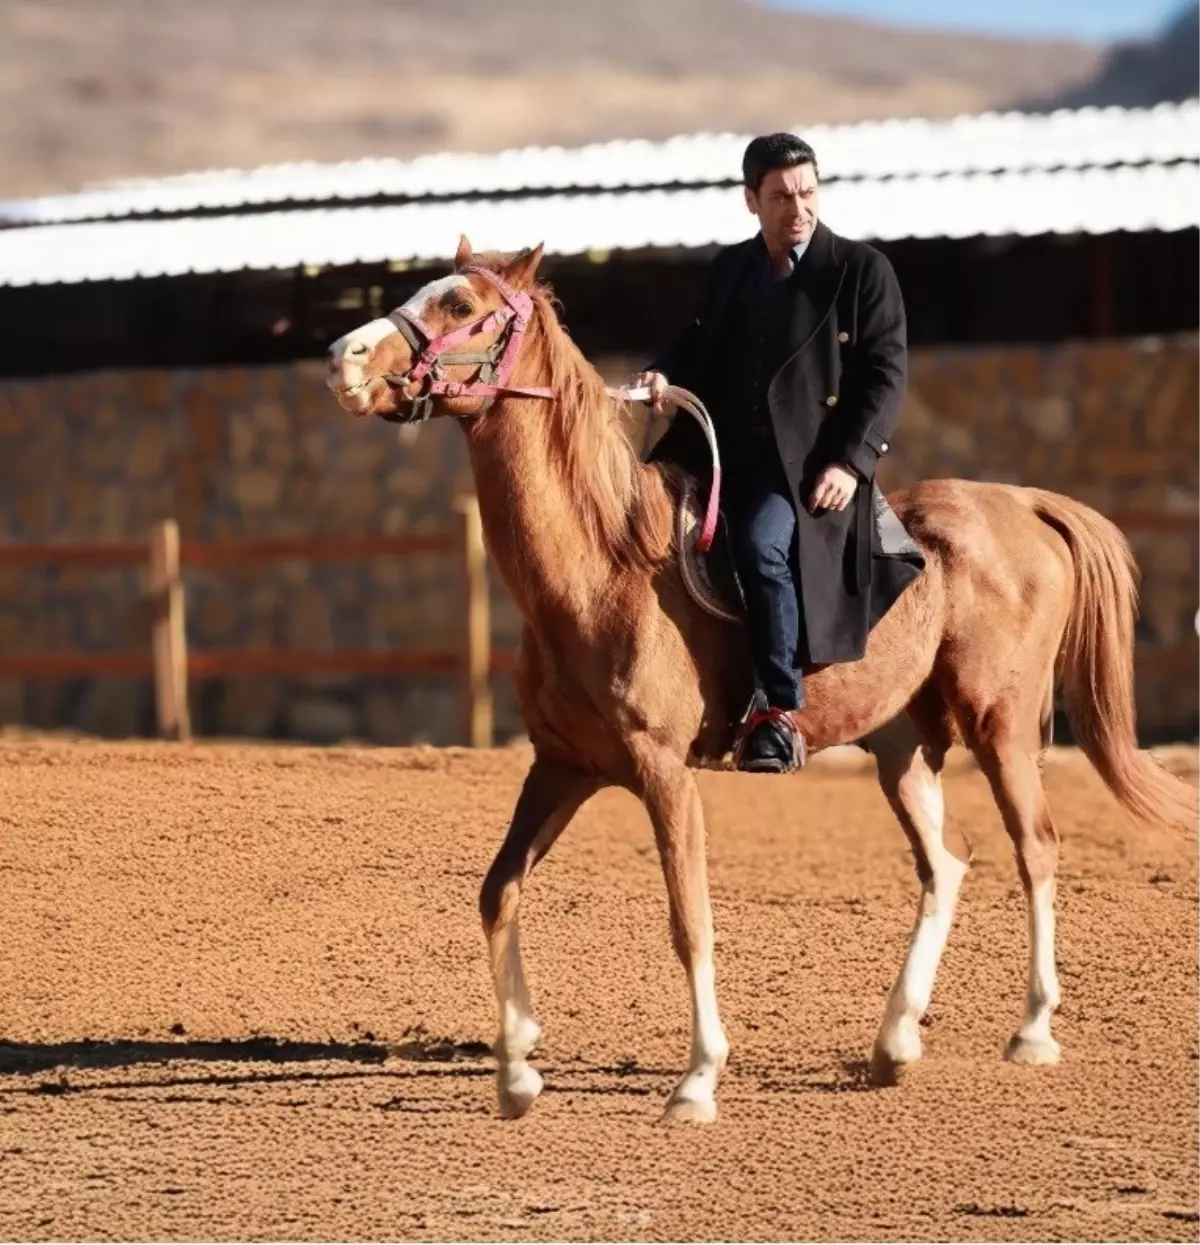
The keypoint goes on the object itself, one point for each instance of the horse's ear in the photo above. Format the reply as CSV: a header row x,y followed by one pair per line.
x,y
464,254
522,270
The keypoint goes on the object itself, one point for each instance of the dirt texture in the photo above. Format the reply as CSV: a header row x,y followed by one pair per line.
x,y
243,994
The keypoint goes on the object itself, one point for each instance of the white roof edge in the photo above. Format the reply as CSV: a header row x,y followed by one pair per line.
x,y
1096,201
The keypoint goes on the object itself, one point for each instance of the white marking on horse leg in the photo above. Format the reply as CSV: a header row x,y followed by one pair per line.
x,y
899,1035
1015,775
673,801
1034,1042
518,1082
548,801
918,800
695,1095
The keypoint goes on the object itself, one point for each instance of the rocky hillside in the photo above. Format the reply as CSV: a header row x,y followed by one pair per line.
x,y
127,88
1148,71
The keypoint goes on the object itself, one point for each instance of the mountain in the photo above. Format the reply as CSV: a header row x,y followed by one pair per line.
x,y
128,88
1138,74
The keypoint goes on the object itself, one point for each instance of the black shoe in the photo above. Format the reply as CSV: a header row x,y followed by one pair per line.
x,y
771,744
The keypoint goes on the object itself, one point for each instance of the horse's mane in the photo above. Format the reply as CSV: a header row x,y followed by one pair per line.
x,y
624,508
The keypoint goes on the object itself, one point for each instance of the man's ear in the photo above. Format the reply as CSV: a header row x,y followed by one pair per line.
x,y
523,270
751,200
464,254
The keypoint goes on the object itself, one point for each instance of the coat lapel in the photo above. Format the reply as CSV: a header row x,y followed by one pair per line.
x,y
820,278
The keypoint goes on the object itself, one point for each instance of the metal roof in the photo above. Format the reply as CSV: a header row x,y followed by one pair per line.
x,y
991,142
1090,200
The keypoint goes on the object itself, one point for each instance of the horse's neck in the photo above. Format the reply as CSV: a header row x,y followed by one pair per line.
x,y
563,502
534,528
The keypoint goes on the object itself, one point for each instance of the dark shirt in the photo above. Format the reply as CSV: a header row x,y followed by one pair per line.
x,y
760,314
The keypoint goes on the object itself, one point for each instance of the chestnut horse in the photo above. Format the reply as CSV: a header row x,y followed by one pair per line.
x,y
624,681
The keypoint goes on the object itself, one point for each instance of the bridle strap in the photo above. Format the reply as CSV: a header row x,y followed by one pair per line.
x,y
500,359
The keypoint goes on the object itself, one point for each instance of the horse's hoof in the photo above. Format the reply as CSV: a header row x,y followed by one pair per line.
x,y
889,1059
690,1111
1033,1052
884,1071
517,1088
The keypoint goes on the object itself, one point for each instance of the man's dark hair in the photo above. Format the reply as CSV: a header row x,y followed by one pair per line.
x,y
775,151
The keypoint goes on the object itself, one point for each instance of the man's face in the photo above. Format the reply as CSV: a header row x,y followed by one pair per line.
x,y
787,205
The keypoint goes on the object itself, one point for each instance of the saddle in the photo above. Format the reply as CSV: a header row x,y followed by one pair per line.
x,y
711,577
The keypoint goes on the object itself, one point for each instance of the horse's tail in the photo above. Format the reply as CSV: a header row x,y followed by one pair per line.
x,y
1097,664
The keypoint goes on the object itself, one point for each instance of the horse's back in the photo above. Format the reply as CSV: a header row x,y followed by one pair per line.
x,y
982,525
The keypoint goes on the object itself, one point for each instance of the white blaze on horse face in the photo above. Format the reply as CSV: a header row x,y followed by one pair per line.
x,y
349,357
352,354
434,290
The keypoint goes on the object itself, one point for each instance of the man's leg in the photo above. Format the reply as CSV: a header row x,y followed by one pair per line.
x,y
764,535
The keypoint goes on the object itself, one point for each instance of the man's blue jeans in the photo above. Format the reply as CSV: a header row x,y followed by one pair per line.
x,y
764,541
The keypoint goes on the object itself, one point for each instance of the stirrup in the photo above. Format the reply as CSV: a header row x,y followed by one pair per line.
x,y
755,718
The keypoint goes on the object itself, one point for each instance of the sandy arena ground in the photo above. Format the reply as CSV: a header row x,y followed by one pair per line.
x,y
207,950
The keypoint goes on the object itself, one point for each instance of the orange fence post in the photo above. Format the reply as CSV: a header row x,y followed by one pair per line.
x,y
170,636
477,628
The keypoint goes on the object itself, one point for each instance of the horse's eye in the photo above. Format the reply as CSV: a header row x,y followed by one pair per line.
x,y
461,310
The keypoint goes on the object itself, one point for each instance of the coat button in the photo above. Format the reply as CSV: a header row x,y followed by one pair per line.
x,y
843,337
831,400
883,447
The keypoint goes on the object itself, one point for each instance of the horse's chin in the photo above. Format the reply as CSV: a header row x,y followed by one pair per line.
x,y
370,397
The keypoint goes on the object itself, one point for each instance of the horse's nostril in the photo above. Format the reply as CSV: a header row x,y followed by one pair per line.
x,y
356,348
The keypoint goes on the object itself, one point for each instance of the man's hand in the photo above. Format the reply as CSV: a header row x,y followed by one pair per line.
x,y
656,382
834,488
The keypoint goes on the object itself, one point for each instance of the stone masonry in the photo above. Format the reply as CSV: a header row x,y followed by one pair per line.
x,y
262,452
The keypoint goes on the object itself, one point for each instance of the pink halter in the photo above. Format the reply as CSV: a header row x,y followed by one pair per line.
x,y
496,365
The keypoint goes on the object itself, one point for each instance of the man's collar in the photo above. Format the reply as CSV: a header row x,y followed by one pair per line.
x,y
761,252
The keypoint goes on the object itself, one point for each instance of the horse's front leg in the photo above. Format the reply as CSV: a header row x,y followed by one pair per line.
x,y
673,801
549,798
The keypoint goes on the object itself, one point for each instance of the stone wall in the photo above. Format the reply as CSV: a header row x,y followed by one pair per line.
x,y
231,454
264,452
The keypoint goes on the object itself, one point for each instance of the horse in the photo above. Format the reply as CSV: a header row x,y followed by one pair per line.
x,y
624,680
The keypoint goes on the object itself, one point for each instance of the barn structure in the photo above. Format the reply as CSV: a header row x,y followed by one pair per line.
x,y
162,346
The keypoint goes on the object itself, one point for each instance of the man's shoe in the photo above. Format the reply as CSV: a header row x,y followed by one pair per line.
x,y
771,744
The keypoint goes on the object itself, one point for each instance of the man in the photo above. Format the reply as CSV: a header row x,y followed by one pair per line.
x,y
798,351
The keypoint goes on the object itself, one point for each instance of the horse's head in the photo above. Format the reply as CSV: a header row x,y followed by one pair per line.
x,y
453,336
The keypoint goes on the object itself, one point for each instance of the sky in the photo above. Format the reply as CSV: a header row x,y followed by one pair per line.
x,y
1092,21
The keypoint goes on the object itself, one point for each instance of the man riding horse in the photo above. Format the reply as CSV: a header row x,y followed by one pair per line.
x,y
798,350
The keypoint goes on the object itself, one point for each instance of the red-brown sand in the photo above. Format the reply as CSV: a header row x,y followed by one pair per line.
x,y
206,949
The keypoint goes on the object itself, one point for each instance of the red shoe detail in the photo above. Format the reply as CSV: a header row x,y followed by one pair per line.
x,y
757,718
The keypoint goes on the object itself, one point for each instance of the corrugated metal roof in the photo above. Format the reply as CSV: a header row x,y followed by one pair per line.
x,y
1098,200
991,142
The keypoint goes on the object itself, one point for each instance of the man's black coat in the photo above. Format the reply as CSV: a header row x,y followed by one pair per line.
x,y
836,398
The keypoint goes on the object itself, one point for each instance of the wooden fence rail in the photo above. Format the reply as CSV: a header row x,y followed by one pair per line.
x,y
170,663
473,659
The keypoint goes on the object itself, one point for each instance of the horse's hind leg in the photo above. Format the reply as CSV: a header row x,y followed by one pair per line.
x,y
910,775
1014,772
548,800
671,797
